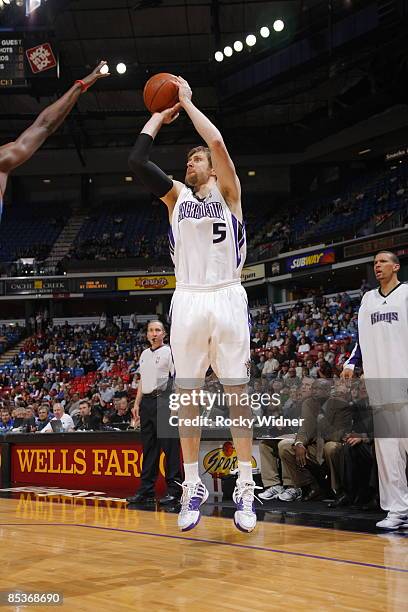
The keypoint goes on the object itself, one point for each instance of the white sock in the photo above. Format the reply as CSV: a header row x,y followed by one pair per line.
x,y
245,471
191,472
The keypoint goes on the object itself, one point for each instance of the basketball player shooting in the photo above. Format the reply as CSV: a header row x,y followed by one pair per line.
x,y
209,310
16,153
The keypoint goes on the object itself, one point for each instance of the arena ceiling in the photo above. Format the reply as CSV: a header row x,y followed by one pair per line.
x,y
288,113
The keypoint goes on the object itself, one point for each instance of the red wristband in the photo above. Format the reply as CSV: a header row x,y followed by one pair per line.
x,y
83,85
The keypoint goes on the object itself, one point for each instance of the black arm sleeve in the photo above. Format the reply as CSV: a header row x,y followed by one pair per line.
x,y
151,176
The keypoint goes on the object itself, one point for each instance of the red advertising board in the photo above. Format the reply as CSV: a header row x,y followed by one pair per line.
x,y
81,466
41,58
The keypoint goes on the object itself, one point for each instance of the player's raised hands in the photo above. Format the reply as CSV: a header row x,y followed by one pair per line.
x,y
185,92
96,74
170,114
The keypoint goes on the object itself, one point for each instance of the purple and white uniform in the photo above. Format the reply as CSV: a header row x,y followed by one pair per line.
x,y
209,310
382,347
382,351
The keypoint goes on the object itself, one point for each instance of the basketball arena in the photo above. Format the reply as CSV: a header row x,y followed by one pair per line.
x,y
203,304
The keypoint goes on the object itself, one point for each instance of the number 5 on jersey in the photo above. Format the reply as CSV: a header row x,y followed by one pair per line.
x,y
219,232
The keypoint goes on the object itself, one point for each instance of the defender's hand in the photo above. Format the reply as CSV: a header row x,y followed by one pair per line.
x,y
96,74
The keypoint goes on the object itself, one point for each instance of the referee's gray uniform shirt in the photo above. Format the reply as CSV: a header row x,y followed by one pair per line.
x,y
155,367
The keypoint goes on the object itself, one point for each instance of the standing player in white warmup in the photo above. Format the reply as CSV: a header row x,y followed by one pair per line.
x,y
382,351
209,308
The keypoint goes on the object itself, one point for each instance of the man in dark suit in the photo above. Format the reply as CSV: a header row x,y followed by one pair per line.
x,y
326,420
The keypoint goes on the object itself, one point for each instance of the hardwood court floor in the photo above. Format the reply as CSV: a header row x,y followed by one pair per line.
x,y
113,558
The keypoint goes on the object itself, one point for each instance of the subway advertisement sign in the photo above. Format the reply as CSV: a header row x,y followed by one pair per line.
x,y
304,261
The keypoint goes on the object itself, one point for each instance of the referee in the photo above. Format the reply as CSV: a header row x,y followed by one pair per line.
x,y
152,402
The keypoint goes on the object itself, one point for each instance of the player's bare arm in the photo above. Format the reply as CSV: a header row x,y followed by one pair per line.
x,y
16,153
227,179
149,173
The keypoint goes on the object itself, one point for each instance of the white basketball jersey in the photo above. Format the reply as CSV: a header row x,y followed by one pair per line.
x,y
207,241
383,333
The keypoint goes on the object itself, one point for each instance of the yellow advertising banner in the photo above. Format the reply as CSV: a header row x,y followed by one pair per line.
x,y
253,273
146,283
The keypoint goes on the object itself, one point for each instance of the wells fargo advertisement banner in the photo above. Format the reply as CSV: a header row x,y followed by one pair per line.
x,y
146,283
105,467
111,467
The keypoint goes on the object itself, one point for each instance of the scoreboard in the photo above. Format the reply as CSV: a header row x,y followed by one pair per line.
x,y
24,56
12,64
104,283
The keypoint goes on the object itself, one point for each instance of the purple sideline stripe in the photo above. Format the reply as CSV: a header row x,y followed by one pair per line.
x,y
204,541
235,230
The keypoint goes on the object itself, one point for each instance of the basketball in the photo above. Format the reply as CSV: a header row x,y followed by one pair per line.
x,y
160,92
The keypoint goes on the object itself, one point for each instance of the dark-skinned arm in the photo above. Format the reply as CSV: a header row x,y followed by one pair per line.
x,y
16,153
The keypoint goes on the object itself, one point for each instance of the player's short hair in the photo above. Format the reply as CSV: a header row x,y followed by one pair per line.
x,y
394,257
200,149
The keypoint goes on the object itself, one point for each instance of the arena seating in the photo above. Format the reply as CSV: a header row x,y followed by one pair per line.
x,y
142,230
360,209
384,197
120,230
71,346
27,231
9,336
129,231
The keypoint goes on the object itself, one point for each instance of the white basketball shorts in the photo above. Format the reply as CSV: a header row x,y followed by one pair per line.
x,y
210,327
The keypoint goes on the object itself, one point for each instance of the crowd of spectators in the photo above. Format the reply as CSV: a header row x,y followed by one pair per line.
x,y
307,340
310,339
278,231
321,445
299,354
59,367
331,455
72,378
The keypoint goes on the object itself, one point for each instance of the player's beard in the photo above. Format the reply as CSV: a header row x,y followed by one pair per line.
x,y
191,179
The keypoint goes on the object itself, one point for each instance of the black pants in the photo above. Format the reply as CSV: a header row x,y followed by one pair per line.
x,y
152,445
359,471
